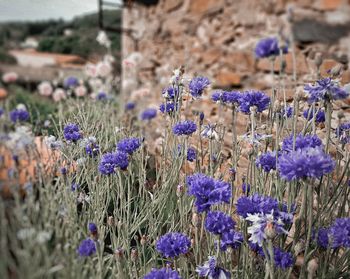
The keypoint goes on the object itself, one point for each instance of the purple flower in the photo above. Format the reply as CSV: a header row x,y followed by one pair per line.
x,y
19,115
168,107
201,117
323,237
268,47
130,106
340,233
170,93
197,86
267,161
343,132
129,145
101,96
63,171
208,191
211,270
92,149
111,161
86,248
320,116
226,97
325,89
304,163
283,259
148,114
253,98
191,154
186,127
172,245
245,188
218,222
301,142
163,273
71,132
287,111
70,82
231,239
92,228
1,111
256,204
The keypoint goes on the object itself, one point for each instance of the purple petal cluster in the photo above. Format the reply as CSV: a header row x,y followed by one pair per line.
x,y
163,273
86,248
305,163
72,132
197,86
191,154
186,128
340,233
320,115
129,145
170,93
283,259
325,89
208,191
267,161
19,115
268,47
172,245
256,204
113,160
148,114
168,107
226,97
232,239
253,98
322,238
129,106
92,228
92,149
70,82
301,142
101,96
211,270
218,222
343,132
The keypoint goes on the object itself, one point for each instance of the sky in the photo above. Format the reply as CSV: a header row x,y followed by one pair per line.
x,y
23,10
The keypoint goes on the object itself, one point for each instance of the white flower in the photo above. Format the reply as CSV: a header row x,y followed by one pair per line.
x,y
21,107
80,91
43,237
59,94
103,39
20,139
9,77
45,88
52,143
103,69
90,70
26,233
209,132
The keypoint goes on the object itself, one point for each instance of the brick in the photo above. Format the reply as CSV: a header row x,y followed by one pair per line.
x,y
328,5
171,5
202,7
327,65
227,78
211,56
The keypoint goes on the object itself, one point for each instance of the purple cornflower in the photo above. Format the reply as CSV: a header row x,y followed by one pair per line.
x,y
168,107
231,239
92,228
340,233
63,171
148,114
217,96
304,163
191,154
19,115
301,142
226,97
325,89
170,93
253,98
268,47
287,111
245,188
74,187
71,132
212,271
130,106
1,111
201,117
92,149
163,273
267,161
129,145
320,116
101,96
218,222
70,82
86,248
197,86
207,191
111,161
172,245
186,127
343,132
323,237
255,204
282,259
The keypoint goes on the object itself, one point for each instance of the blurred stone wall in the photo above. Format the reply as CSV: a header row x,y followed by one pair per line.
x,y
216,38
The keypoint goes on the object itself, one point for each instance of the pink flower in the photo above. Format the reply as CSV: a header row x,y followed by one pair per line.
x,y
80,91
103,69
9,77
58,95
91,70
45,88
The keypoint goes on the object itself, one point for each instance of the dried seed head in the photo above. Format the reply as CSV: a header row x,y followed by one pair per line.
x,y
110,221
270,231
119,253
299,247
336,70
340,114
134,254
277,106
318,59
144,240
180,190
300,94
312,266
195,219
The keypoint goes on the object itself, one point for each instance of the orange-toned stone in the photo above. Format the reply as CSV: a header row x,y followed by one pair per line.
x,y
3,93
172,5
327,65
201,7
210,56
328,5
345,78
227,78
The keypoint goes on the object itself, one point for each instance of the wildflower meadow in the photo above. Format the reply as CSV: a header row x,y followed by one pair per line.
x,y
102,203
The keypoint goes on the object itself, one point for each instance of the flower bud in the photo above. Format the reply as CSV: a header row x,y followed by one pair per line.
x,y
195,219
270,230
144,240
312,266
110,221
318,59
180,190
336,70
119,253
134,255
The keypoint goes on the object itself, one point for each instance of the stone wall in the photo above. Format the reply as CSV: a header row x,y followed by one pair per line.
x,y
216,38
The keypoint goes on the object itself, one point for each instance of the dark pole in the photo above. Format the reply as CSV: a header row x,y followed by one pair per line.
x,y
100,14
